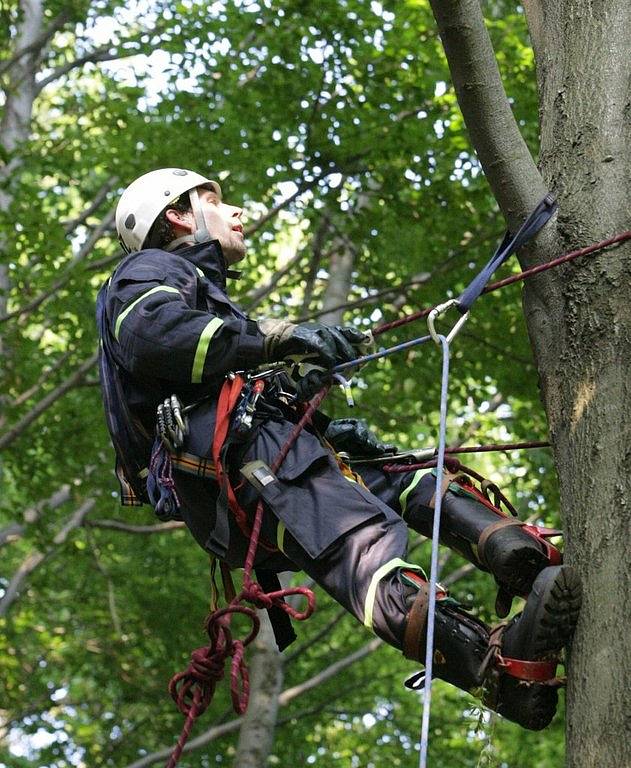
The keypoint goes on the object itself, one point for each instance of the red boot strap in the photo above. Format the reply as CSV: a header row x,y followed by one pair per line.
x,y
531,671
542,535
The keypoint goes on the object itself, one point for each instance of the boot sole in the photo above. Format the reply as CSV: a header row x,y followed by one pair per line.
x,y
518,563
547,625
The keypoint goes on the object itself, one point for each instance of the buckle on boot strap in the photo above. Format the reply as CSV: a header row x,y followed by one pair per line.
x,y
530,671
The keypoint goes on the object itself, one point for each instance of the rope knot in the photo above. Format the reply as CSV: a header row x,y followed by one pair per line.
x,y
255,594
207,668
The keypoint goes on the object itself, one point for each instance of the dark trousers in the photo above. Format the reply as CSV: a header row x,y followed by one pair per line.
x,y
351,540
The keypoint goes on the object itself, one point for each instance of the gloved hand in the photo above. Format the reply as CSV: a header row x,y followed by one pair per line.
x,y
311,383
353,436
326,345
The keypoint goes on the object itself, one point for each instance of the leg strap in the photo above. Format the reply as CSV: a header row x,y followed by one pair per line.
x,y
413,639
489,531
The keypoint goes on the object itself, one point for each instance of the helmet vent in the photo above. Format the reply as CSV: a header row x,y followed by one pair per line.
x,y
130,221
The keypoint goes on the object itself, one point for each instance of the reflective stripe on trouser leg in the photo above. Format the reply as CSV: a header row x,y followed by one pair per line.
x,y
379,574
346,570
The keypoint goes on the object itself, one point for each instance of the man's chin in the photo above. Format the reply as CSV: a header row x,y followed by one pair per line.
x,y
234,255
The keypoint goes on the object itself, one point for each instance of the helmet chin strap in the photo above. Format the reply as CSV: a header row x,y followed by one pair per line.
x,y
201,233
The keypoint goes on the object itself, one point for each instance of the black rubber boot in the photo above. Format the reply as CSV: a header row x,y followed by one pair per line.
x,y
510,668
514,553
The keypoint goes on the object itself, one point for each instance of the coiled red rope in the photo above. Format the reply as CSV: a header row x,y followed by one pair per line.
x,y
193,689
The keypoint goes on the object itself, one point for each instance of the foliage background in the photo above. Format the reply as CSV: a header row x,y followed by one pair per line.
x,y
339,120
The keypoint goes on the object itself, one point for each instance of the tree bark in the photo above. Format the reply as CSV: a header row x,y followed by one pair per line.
x,y
256,735
578,317
585,140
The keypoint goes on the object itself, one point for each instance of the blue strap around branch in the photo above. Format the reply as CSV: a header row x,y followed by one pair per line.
x,y
535,221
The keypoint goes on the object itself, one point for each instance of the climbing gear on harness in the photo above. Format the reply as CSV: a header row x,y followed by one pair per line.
x,y
144,199
171,423
244,412
471,524
193,689
511,667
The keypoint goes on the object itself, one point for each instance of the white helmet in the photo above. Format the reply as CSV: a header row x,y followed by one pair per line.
x,y
146,197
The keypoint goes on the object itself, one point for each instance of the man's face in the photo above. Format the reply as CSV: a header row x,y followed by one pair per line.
x,y
223,222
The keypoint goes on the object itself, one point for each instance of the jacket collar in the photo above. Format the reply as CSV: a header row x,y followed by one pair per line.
x,y
209,258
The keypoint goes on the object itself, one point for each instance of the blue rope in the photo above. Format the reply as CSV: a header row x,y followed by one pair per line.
x,y
440,463
433,575
382,353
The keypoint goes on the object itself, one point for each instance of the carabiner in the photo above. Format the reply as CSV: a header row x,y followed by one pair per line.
x,y
440,310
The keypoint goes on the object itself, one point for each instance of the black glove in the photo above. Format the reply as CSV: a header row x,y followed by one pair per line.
x,y
353,436
311,383
326,345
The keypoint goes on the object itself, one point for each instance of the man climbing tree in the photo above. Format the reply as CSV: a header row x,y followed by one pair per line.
x,y
172,339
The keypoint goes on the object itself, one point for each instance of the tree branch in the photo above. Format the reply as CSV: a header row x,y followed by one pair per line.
x,y
119,525
71,224
84,251
35,559
505,158
258,294
10,435
304,187
38,43
45,375
31,515
100,54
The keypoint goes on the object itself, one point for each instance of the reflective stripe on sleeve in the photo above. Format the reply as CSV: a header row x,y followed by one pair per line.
x,y
384,570
202,349
403,498
127,310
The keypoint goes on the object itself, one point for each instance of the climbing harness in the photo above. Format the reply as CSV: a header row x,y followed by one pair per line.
x,y
193,689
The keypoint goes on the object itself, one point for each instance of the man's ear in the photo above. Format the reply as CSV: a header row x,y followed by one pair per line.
x,y
180,219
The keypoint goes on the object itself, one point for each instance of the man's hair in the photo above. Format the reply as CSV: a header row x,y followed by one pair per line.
x,y
162,231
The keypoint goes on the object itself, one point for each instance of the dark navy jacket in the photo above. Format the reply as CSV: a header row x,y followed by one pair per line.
x,y
175,327
170,328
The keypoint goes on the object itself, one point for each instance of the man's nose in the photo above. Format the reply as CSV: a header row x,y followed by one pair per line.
x,y
236,212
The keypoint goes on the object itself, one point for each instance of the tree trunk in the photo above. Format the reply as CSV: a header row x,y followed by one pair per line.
x,y
578,316
256,735
15,125
584,356
338,286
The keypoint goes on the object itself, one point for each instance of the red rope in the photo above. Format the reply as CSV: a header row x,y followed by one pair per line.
x,y
615,240
193,689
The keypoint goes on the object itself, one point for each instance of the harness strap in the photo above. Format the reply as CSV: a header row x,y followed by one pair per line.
x,y
446,481
228,397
